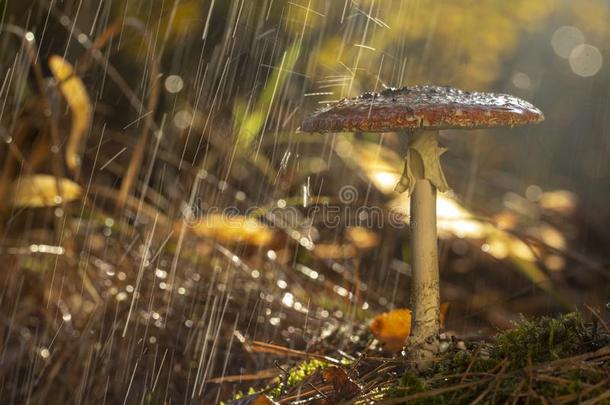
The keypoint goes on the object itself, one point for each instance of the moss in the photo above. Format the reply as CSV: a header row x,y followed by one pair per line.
x,y
507,357
296,375
542,340
536,341
411,384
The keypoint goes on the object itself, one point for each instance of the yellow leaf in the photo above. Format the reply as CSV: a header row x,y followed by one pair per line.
x,y
76,96
233,229
41,191
392,328
362,237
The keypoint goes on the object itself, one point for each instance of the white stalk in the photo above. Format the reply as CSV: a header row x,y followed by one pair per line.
x,y
423,175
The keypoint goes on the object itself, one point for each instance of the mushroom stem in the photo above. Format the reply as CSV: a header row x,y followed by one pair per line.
x,y
425,300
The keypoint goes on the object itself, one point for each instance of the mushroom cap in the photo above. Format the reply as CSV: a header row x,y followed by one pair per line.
x,y
434,107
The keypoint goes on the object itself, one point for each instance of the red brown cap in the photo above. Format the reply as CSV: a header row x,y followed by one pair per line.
x,y
434,107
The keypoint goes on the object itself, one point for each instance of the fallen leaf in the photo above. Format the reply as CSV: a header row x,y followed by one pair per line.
x,y
233,229
41,190
392,328
256,399
344,386
75,93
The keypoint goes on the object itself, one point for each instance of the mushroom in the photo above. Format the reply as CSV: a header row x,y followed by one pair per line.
x,y
421,111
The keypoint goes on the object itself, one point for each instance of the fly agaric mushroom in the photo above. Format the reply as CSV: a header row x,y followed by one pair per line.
x,y
421,111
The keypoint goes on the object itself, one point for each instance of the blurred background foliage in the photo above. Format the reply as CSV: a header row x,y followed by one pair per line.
x,y
211,93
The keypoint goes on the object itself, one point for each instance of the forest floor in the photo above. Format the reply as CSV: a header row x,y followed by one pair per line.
x,y
548,360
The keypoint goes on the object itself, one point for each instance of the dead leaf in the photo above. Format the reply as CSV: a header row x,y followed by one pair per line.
x,y
75,93
233,229
392,328
344,386
256,399
41,190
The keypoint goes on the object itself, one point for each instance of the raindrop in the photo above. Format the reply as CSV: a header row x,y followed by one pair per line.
x,y
282,284
341,291
182,119
173,84
565,39
25,333
274,321
533,193
29,36
585,60
67,317
288,299
44,352
522,81
271,255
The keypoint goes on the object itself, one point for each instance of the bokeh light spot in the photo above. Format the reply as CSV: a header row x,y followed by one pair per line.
x,y
173,84
522,81
565,39
585,60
